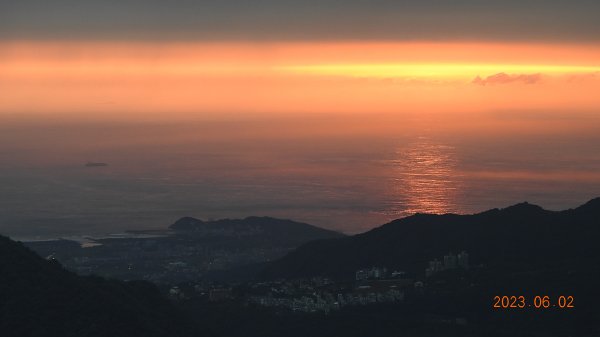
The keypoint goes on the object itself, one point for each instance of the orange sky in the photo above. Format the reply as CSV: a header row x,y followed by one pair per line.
x,y
195,79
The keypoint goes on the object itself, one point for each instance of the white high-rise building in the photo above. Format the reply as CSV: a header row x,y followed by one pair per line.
x,y
463,260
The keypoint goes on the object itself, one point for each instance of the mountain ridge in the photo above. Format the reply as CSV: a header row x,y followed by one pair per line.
x,y
516,237
253,225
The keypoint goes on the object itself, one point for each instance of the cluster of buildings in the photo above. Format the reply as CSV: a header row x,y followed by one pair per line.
x,y
323,295
377,273
320,294
300,304
166,259
372,285
373,273
327,301
211,292
450,261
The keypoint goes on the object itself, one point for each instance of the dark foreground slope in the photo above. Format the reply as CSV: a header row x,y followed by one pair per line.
x,y
40,298
522,237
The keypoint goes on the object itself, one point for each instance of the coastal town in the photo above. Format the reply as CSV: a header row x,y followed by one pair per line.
x,y
375,285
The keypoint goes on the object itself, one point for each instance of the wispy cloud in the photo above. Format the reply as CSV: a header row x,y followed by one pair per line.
x,y
504,78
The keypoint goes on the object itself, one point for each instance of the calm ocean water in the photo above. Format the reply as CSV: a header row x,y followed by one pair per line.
x,y
345,173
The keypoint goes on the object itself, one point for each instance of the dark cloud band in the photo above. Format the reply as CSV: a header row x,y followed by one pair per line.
x,y
548,20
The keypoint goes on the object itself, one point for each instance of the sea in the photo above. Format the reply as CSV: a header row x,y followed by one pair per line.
x,y
346,172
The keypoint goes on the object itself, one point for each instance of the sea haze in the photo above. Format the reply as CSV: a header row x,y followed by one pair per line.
x,y
343,172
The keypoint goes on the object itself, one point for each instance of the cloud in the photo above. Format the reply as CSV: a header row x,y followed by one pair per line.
x,y
376,20
504,78
593,76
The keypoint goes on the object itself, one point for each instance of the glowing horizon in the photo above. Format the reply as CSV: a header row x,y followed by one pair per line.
x,y
196,78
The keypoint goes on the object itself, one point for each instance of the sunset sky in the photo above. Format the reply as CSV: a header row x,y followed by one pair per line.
x,y
344,114
196,58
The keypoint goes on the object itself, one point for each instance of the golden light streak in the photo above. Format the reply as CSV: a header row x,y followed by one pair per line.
x,y
435,71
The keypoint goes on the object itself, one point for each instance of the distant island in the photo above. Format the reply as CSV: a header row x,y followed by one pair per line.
x,y
95,164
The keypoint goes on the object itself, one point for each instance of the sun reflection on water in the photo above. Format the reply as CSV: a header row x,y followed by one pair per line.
x,y
424,179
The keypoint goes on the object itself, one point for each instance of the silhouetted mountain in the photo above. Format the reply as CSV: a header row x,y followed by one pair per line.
x,y
278,229
590,208
187,224
40,298
520,237
193,249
